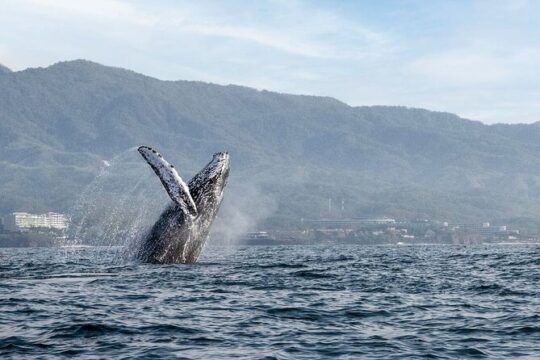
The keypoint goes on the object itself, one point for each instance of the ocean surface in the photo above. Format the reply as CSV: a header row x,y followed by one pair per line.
x,y
370,302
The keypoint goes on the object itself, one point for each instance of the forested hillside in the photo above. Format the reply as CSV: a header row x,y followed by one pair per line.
x,y
58,124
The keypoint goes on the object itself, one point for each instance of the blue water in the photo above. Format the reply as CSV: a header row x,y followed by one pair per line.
x,y
372,302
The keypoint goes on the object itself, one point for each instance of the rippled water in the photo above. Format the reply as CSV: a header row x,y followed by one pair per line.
x,y
274,302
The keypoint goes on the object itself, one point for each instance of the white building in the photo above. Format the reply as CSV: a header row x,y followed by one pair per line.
x,y
23,221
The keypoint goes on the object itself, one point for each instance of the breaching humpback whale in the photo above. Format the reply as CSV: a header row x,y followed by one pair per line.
x,y
179,234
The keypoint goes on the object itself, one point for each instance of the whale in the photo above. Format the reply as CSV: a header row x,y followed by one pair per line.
x,y
179,234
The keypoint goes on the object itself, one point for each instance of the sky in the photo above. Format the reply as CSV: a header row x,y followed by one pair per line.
x,y
478,59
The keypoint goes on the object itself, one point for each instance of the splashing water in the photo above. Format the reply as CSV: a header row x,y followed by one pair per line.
x,y
115,209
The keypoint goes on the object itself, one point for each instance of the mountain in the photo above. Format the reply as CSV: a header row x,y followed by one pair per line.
x,y
58,124
4,69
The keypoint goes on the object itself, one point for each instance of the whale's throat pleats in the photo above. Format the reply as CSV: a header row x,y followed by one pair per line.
x,y
172,182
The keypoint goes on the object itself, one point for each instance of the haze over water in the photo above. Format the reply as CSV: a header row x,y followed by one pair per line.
x,y
274,302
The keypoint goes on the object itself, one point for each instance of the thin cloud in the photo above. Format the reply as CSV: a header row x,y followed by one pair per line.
x,y
306,40
104,9
462,68
476,59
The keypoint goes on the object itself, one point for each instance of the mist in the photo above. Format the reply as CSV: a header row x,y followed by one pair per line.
x,y
244,208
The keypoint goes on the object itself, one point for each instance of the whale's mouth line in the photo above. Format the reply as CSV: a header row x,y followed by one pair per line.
x,y
220,163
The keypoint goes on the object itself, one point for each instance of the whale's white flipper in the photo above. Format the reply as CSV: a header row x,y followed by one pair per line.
x,y
176,187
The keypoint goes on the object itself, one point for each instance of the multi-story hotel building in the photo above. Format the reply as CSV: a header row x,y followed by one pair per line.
x,y
23,221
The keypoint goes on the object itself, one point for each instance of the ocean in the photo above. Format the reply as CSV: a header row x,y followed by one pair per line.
x,y
275,302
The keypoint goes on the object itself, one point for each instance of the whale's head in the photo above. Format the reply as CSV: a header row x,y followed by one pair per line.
x,y
208,185
219,168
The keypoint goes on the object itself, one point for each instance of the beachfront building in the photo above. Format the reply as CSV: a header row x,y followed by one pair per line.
x,y
20,221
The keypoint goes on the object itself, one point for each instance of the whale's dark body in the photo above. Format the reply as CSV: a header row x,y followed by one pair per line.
x,y
180,233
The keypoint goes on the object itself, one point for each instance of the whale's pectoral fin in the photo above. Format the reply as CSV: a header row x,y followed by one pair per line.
x,y
173,183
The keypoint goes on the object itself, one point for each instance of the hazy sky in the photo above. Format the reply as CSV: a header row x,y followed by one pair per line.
x,y
479,59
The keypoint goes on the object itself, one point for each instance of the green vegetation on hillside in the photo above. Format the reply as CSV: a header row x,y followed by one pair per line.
x,y
57,124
